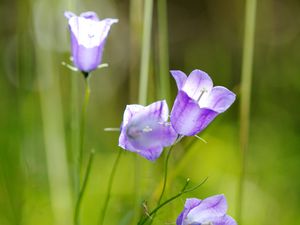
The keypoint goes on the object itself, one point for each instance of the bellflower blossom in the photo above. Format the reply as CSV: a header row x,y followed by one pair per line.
x,y
88,36
145,129
197,102
210,211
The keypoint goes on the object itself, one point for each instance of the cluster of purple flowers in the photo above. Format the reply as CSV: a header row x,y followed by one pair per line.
x,y
146,130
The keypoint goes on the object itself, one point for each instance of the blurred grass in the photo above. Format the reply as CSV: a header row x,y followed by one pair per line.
x,y
202,34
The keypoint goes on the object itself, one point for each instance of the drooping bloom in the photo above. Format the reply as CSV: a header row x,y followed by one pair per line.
x,y
88,36
145,129
210,211
197,102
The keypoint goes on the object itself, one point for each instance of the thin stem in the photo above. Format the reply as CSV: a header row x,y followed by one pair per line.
x,y
183,191
82,123
246,81
165,174
163,50
179,165
165,177
143,87
146,49
109,187
83,188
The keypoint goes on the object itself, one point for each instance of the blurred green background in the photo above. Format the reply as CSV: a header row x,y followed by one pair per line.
x,y
40,105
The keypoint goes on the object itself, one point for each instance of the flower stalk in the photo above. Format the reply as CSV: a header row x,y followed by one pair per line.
x,y
83,120
246,81
165,177
109,187
165,174
184,190
83,188
146,49
163,50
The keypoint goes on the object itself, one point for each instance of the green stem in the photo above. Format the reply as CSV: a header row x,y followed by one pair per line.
x,y
164,179
146,49
163,50
165,174
110,182
183,191
75,131
83,188
246,81
82,123
143,87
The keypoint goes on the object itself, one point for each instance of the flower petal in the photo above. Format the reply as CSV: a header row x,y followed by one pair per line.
x,y
179,220
88,32
190,203
150,153
158,110
90,15
219,99
130,111
198,85
187,117
145,130
69,14
87,59
148,142
145,133
225,220
209,209
179,77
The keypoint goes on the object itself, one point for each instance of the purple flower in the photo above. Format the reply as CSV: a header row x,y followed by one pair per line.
x,y
197,102
210,211
88,35
145,129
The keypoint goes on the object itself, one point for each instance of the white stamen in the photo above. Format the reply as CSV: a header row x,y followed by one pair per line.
x,y
147,129
103,65
69,66
203,90
201,139
111,129
207,223
165,123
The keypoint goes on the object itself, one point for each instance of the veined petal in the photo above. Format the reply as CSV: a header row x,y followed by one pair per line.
x,y
158,111
198,85
150,153
179,77
179,220
87,59
209,209
145,130
146,133
219,99
187,117
190,203
88,32
225,220
145,140
90,15
130,111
